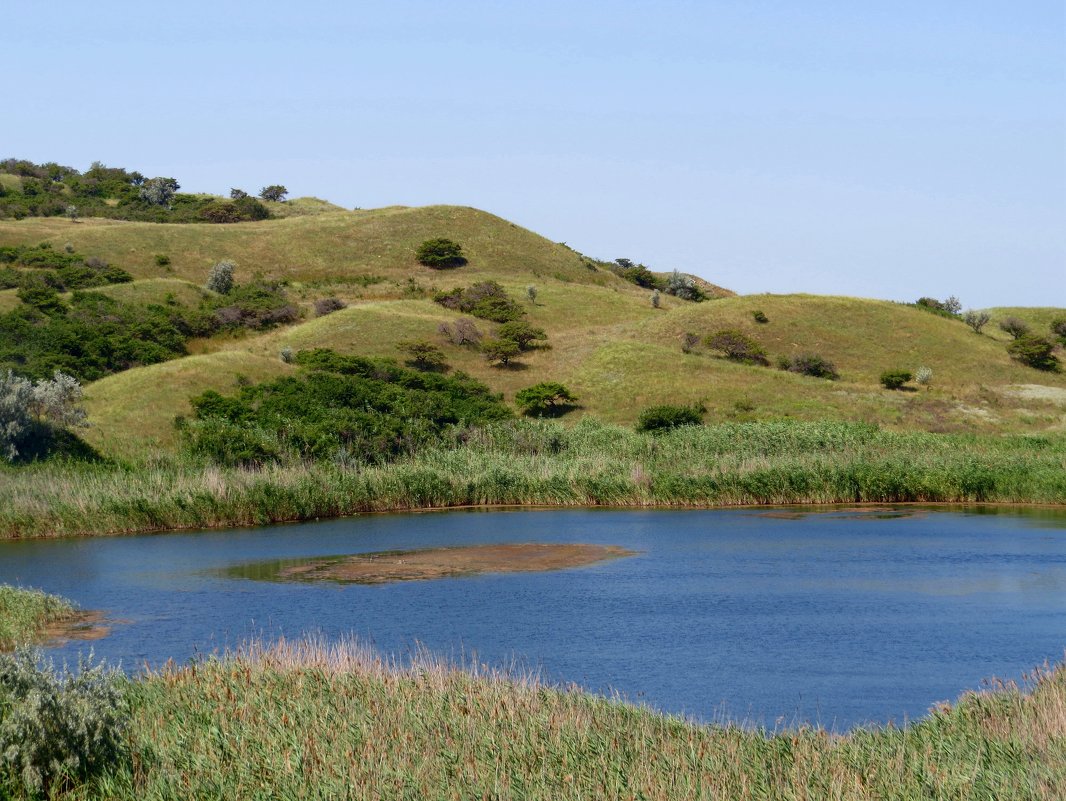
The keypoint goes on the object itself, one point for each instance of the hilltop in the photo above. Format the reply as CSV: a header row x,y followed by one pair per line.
x,y
607,342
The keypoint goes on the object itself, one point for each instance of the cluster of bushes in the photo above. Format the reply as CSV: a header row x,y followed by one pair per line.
x,y
31,268
345,408
485,299
490,301
92,335
677,283
1032,349
737,346
55,190
663,418
945,308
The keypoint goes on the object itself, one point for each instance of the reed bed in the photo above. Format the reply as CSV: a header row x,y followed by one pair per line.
x,y
543,463
25,614
311,720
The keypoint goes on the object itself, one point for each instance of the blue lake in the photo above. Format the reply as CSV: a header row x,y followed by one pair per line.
x,y
772,616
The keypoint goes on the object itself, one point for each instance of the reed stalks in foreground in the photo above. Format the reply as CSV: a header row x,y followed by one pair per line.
x,y
544,463
25,614
310,720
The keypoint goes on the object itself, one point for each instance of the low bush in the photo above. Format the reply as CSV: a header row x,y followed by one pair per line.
x,y
894,379
1034,351
666,417
759,316
1013,326
57,728
809,364
737,346
324,306
440,254
945,308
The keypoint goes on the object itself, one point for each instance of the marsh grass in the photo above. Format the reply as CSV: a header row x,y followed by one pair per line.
x,y
314,720
25,614
545,463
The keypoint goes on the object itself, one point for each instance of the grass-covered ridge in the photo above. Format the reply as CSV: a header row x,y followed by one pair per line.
x,y
308,720
546,463
26,613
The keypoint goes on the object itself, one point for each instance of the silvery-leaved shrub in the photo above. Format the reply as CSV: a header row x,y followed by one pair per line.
x,y
220,279
57,728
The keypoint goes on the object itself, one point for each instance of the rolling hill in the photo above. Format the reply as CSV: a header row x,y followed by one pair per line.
x,y
608,343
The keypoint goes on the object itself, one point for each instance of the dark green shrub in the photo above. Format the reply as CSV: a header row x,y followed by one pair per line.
x,y
945,308
663,418
57,728
1033,351
810,364
546,399
759,316
894,379
440,254
637,274
737,346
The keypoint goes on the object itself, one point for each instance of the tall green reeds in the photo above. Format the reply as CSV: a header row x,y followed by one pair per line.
x,y
25,613
309,720
544,463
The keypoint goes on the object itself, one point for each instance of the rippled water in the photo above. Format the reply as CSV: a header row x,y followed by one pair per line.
x,y
838,617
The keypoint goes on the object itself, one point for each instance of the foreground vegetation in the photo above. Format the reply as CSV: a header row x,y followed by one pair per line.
x,y
25,614
310,720
545,463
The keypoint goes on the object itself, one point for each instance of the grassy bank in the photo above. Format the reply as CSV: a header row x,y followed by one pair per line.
x,y
542,463
310,721
25,614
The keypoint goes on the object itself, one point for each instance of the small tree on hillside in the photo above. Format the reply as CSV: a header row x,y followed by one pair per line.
x,y
522,334
274,193
548,398
220,279
1013,326
976,320
501,351
28,409
424,355
531,293
159,191
237,194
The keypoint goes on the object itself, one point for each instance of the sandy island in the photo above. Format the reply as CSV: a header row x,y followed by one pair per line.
x,y
435,563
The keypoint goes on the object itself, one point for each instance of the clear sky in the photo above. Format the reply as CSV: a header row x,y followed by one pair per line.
x,y
880,149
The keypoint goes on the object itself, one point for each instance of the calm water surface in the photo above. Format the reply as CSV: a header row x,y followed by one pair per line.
x,y
839,617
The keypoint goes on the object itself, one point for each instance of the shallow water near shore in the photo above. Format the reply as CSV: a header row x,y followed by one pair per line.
x,y
780,617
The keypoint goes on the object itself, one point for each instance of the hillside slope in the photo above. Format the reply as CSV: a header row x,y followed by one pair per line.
x,y
608,343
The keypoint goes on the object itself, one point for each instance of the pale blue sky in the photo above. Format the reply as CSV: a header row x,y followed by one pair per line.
x,y
880,149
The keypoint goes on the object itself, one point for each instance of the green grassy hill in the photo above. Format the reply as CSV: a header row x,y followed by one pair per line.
x,y
607,342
